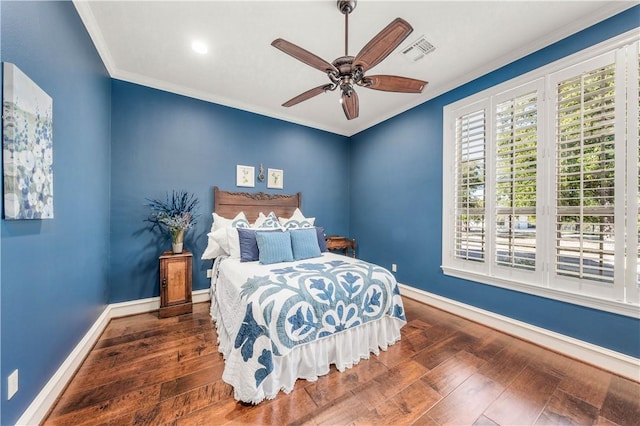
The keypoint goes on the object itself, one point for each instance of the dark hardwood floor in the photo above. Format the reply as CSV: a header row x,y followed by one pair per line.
x,y
445,370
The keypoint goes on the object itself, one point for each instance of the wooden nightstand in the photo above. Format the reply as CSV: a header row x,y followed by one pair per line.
x,y
336,242
175,283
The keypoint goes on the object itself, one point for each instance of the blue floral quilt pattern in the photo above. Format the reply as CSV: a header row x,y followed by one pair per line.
x,y
298,304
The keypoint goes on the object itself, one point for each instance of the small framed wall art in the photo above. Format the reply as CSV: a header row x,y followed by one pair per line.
x,y
27,126
275,178
245,176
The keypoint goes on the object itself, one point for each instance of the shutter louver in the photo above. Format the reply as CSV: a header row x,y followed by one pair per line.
x,y
585,143
516,166
470,235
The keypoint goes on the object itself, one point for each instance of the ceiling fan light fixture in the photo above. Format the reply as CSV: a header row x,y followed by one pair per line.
x,y
348,71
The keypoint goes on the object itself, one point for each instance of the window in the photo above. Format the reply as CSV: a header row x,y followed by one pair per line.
x,y
543,190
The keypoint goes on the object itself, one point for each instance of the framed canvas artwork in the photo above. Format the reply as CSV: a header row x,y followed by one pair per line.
x,y
27,142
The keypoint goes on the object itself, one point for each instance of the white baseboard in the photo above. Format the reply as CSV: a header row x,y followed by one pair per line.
x,y
40,406
140,306
615,362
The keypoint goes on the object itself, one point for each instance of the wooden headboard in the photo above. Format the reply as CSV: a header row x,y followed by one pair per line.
x,y
229,204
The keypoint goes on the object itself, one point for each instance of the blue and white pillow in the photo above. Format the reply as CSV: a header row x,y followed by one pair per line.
x,y
270,221
297,221
274,247
240,221
304,243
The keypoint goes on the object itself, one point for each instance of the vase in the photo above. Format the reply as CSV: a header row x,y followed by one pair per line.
x,y
177,239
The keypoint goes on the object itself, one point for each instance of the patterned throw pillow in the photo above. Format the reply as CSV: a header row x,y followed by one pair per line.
x,y
297,221
270,221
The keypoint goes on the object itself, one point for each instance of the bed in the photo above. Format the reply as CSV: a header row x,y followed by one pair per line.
x,y
283,321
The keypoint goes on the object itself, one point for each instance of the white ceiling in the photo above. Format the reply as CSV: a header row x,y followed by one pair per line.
x,y
148,42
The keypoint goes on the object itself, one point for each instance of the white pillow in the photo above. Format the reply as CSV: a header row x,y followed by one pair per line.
x,y
233,243
297,221
217,244
214,248
240,221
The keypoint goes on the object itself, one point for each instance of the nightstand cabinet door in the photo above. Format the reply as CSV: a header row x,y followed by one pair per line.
x,y
175,284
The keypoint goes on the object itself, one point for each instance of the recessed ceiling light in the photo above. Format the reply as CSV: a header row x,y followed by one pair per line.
x,y
199,47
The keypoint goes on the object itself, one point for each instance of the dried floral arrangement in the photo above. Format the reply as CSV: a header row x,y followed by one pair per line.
x,y
175,214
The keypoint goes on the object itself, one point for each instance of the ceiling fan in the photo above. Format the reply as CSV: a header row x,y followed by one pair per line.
x,y
347,71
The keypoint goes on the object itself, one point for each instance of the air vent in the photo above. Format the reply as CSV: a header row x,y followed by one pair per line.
x,y
418,49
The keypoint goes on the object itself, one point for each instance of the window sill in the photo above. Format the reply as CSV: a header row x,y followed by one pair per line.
x,y
612,306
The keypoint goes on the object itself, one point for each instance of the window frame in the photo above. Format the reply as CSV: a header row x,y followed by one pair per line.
x,y
542,281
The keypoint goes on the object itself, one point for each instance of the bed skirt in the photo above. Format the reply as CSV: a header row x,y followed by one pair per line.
x,y
307,361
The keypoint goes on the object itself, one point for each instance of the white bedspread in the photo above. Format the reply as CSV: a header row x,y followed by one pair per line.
x,y
277,323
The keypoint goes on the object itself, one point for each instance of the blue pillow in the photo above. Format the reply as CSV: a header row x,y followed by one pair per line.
x,y
322,243
248,245
274,247
304,242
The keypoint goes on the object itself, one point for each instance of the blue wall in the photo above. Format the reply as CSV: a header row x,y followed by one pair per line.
x,y
116,144
162,141
54,273
396,205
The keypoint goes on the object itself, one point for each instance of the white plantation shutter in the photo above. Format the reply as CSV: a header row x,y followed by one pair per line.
x,y
585,175
541,192
633,173
516,173
469,233
635,137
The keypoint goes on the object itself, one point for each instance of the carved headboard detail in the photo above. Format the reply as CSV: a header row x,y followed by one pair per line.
x,y
228,204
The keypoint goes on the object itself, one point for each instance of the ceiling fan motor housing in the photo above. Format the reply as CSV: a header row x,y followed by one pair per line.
x,y
343,64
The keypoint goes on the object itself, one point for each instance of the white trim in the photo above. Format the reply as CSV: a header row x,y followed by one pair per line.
x,y
613,306
615,362
585,54
93,29
141,306
40,406
91,24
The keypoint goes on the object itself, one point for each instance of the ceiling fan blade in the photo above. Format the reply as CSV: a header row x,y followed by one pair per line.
x,y
350,105
307,95
383,44
394,83
303,55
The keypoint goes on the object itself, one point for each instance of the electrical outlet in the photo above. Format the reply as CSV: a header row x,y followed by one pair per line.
x,y
209,273
394,267
12,384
